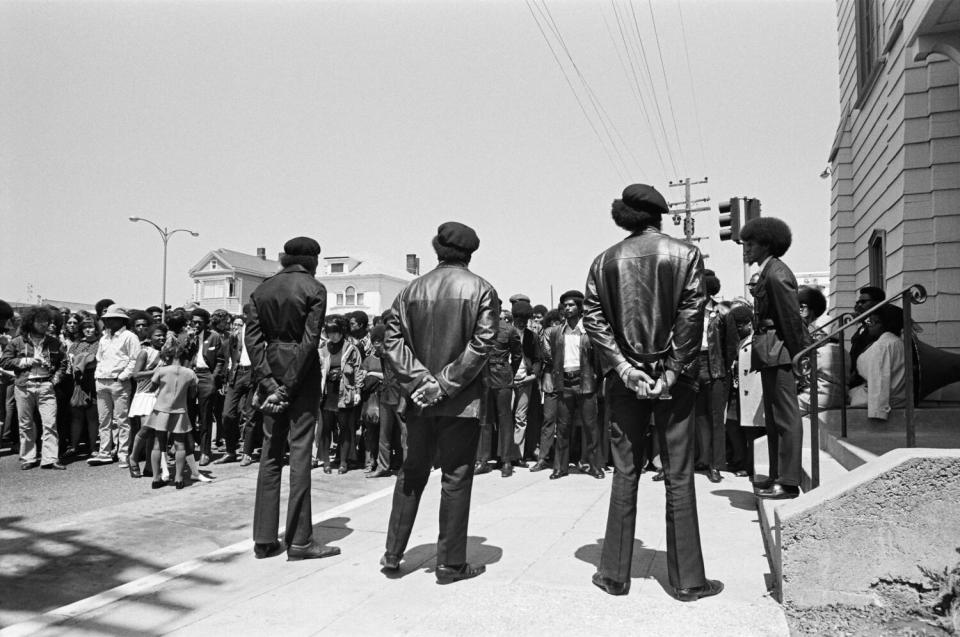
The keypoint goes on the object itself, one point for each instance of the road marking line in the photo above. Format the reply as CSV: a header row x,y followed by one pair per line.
x,y
149,582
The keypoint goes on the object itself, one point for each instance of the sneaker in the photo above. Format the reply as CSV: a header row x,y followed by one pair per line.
x,y
100,459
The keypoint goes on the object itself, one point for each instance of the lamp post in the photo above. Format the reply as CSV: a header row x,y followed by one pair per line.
x,y
165,235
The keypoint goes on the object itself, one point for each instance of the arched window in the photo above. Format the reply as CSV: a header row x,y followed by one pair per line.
x,y
351,294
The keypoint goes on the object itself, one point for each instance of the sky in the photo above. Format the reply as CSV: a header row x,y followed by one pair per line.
x,y
367,124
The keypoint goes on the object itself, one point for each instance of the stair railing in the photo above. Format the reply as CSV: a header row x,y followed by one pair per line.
x,y
805,364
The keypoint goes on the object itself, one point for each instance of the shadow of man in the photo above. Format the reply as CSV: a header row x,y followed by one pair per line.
x,y
647,562
416,558
332,530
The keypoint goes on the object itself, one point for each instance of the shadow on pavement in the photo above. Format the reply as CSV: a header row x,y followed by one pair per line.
x,y
478,552
647,563
42,571
332,530
744,500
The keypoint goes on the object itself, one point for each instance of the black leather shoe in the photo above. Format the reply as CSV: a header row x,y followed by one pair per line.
x,y
226,458
778,492
709,589
179,484
659,476
741,473
134,470
482,467
596,472
269,549
540,466
449,574
343,469
26,466
390,562
327,469
713,475
378,473
556,475
311,552
763,484
610,586
507,470
53,465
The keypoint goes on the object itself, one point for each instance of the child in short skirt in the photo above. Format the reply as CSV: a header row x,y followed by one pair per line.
x,y
176,388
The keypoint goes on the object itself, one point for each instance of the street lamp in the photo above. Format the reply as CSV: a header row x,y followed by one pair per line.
x,y
165,235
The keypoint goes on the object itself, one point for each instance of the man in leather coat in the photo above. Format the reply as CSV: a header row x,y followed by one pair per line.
x,y
643,312
438,336
283,333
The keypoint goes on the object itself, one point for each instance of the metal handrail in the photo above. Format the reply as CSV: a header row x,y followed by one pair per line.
x,y
805,363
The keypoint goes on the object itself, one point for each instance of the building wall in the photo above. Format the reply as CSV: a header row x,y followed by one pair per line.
x,y
896,168
378,292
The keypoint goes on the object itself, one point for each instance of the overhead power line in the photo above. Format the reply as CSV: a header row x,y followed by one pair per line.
x,y
693,92
666,83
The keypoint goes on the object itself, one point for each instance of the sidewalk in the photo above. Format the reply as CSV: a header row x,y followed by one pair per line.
x,y
540,541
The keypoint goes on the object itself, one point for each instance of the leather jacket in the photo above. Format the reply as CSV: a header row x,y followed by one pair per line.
x,y
644,304
722,340
553,356
19,352
283,331
443,324
504,359
779,330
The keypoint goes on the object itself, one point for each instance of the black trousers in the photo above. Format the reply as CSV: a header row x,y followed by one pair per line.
x,y
629,423
499,409
237,402
206,399
711,418
390,421
452,442
295,425
781,412
534,423
548,432
570,405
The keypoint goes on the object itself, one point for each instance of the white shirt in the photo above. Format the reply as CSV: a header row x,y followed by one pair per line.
x,y
244,357
200,363
117,355
882,366
571,346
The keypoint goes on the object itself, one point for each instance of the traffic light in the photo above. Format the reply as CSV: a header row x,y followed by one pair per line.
x,y
730,220
752,212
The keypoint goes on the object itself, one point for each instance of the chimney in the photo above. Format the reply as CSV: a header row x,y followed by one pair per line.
x,y
413,264
262,253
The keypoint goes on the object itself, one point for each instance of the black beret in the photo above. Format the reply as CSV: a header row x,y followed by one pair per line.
x,y
456,235
709,272
519,297
301,247
521,309
576,295
646,198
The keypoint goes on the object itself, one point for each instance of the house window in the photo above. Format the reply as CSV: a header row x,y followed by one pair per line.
x,y
336,268
231,288
339,299
351,295
359,298
213,289
878,259
213,264
869,42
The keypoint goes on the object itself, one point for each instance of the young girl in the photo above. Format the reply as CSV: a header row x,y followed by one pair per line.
x,y
142,404
176,387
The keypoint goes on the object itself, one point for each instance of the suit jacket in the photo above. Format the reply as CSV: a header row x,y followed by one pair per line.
x,y
283,331
506,353
779,332
214,356
443,324
722,340
553,355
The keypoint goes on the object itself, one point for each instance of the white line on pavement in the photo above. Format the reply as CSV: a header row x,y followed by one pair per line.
x,y
149,582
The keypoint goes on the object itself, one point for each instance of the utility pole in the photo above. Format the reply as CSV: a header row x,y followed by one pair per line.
x,y
686,207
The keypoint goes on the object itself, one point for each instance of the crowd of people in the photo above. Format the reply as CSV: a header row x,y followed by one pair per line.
x,y
144,386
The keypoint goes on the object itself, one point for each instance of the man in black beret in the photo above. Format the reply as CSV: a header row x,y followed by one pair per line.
x,y
643,312
438,335
282,337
